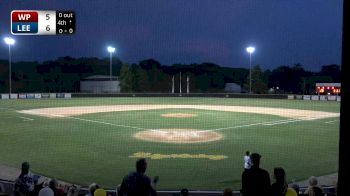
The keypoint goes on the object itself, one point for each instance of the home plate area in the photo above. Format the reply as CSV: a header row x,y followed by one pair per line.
x,y
178,135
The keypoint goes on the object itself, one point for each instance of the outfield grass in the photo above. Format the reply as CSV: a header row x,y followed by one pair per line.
x,y
83,151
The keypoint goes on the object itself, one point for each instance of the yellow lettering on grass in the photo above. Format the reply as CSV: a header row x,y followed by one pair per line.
x,y
177,156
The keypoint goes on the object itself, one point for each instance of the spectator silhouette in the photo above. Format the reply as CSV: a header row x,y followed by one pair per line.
x,y
227,192
184,192
291,192
73,191
256,181
313,189
50,189
92,189
137,183
279,188
296,187
247,161
26,181
100,192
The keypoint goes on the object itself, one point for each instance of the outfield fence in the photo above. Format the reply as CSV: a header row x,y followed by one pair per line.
x,y
213,95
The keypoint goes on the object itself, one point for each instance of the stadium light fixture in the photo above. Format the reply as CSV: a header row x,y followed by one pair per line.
x,y
9,41
111,50
250,50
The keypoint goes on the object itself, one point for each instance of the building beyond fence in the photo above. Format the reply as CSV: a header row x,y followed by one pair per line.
x,y
100,84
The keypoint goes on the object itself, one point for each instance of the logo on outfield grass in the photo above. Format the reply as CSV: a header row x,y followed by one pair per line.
x,y
177,156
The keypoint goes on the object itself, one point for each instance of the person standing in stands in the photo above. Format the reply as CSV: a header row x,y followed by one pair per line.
x,y
92,189
256,181
247,161
25,183
313,189
50,189
279,188
137,183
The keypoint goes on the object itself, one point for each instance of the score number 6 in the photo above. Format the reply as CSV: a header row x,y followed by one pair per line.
x,y
48,18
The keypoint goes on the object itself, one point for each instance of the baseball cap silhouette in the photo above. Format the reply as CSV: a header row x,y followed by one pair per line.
x,y
25,165
184,191
255,157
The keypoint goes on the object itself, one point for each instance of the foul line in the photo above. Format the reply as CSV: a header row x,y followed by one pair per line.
x,y
270,123
94,121
331,122
25,118
106,123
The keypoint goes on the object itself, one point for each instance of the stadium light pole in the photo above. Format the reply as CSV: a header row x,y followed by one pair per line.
x,y
250,50
111,50
9,41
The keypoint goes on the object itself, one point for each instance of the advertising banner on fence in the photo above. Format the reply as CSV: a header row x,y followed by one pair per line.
x,y
60,95
323,97
37,96
45,95
30,96
68,95
338,98
5,96
306,97
298,97
22,96
332,98
315,97
14,96
52,95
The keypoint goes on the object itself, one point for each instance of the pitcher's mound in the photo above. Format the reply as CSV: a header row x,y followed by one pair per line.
x,y
178,135
178,115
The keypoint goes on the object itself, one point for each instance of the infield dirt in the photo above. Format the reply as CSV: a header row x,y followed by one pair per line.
x,y
58,112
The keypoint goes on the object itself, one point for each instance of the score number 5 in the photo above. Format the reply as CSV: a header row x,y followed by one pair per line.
x,y
48,18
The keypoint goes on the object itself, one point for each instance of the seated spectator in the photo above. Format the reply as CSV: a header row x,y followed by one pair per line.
x,y
279,188
137,183
227,192
73,191
26,181
296,187
100,192
92,189
291,192
256,181
184,192
60,190
313,189
50,189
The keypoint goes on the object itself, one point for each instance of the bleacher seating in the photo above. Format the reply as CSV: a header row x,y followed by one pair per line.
x,y
6,188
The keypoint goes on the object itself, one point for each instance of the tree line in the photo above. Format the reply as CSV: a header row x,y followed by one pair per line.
x,y
65,73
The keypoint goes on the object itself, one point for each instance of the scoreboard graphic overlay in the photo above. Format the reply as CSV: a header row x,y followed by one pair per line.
x,y
34,22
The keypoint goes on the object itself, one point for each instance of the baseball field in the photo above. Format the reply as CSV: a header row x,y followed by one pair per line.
x,y
198,143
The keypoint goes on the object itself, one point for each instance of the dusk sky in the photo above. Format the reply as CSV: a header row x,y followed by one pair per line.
x,y
284,32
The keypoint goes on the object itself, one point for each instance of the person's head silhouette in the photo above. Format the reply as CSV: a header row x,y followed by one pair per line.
x,y
255,158
25,167
141,165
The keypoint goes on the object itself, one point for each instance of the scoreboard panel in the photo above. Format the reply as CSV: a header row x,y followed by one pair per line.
x,y
35,22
